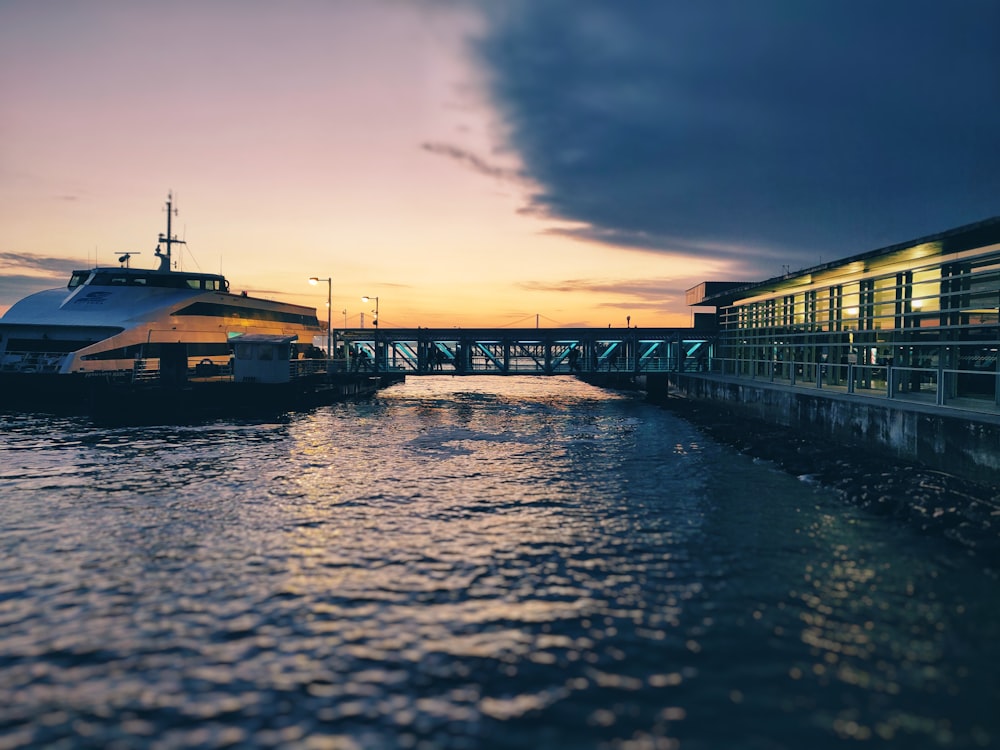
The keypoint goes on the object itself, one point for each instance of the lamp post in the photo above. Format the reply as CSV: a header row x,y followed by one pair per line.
x,y
366,298
329,309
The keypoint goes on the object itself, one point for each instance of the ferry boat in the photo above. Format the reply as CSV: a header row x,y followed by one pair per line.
x,y
160,324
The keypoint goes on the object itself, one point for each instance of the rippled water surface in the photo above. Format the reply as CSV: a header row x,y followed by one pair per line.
x,y
466,563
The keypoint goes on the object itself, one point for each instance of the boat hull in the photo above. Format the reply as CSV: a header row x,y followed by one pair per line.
x,y
43,391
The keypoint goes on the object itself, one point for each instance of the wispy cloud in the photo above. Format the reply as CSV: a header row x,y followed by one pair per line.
x,y
47,265
643,288
472,161
633,294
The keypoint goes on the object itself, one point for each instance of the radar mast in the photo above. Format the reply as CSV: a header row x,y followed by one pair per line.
x,y
168,239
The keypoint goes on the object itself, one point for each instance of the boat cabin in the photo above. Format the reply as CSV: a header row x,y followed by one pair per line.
x,y
262,358
143,277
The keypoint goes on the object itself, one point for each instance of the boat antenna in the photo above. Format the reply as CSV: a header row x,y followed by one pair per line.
x,y
168,239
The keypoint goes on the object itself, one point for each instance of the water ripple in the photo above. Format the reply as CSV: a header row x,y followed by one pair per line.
x,y
460,564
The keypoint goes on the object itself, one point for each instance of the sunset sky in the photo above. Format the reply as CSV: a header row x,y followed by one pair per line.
x,y
480,163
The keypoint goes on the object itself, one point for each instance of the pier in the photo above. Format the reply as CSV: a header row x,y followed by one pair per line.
x,y
895,349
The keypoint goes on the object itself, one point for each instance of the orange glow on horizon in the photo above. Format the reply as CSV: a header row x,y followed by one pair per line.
x,y
329,178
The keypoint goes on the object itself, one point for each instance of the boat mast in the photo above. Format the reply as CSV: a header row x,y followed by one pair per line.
x,y
168,239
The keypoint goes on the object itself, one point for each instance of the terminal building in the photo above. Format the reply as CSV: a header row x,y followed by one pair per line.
x,y
917,321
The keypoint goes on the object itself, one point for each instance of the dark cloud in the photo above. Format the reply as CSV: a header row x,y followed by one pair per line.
x,y
797,129
645,240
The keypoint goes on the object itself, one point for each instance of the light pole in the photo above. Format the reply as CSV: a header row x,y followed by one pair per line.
x,y
329,309
366,298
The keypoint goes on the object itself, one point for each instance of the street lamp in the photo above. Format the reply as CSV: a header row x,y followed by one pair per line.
x,y
366,298
329,308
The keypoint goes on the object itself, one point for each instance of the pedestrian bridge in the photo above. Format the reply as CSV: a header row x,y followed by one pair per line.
x,y
521,351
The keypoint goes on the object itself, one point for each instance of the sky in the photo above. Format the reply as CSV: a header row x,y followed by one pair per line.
x,y
481,163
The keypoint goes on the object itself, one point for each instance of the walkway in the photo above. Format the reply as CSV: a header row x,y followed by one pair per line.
x,y
521,351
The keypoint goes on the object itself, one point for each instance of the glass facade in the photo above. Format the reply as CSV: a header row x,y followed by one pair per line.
x,y
917,321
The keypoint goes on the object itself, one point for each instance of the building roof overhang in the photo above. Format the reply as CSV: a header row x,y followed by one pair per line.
x,y
969,236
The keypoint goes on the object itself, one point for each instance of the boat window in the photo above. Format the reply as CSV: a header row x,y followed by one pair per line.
x,y
45,345
108,279
153,351
161,280
266,352
78,278
247,313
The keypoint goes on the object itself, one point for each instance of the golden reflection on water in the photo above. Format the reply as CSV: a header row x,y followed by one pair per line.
x,y
866,627
460,563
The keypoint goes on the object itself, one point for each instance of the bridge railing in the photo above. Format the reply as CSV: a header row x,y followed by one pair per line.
x,y
525,352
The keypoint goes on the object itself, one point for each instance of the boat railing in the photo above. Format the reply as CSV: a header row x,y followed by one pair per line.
x,y
147,371
301,368
142,372
306,367
208,369
32,361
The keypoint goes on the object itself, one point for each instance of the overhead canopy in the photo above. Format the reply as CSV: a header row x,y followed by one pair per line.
x,y
723,293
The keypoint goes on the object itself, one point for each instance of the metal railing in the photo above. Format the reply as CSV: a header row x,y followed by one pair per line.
x,y
977,390
30,362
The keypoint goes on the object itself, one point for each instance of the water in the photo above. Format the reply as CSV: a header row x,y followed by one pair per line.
x,y
469,563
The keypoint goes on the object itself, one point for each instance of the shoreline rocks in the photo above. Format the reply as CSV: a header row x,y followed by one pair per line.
x,y
963,511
